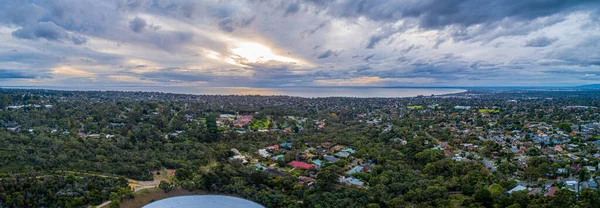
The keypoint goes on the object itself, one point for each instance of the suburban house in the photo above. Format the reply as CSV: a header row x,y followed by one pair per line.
x,y
356,169
551,192
264,153
342,154
331,158
300,165
351,181
517,188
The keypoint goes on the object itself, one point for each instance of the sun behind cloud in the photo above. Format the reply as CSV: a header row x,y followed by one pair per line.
x,y
255,53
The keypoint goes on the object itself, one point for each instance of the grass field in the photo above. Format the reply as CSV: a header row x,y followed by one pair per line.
x,y
415,107
260,124
489,111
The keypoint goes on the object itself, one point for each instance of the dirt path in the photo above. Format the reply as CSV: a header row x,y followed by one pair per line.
x,y
134,184
104,204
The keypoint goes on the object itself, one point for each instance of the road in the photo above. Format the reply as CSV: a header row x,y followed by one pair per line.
x,y
104,204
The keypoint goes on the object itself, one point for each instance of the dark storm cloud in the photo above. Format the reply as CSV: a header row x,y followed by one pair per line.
x,y
410,48
293,8
264,74
229,24
170,41
540,42
18,12
174,76
373,40
594,76
226,25
583,54
385,33
456,14
84,16
436,14
245,22
315,29
369,57
276,73
48,31
133,4
363,68
489,31
14,74
571,72
327,54
188,9
137,24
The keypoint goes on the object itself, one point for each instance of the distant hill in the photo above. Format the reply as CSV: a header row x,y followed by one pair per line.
x,y
590,86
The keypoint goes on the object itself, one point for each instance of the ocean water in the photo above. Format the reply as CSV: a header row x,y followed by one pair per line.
x,y
203,201
310,92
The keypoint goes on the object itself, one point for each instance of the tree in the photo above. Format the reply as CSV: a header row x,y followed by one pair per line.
x,y
565,127
496,191
429,156
165,186
115,200
590,197
519,197
396,203
532,173
507,167
380,193
211,124
484,197
514,206
563,198
326,180
373,205
582,176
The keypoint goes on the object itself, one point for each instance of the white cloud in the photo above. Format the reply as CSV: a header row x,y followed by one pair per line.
x,y
257,44
69,71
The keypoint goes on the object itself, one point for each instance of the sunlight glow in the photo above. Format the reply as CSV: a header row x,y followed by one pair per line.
x,y
254,52
71,71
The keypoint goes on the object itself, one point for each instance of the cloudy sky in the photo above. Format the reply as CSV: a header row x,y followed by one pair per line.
x,y
262,43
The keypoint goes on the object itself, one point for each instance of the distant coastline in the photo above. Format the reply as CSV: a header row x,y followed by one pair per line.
x,y
306,92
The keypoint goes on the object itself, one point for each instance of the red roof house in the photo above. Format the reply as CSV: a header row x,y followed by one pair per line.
x,y
523,149
273,147
558,148
551,192
447,152
171,172
301,165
